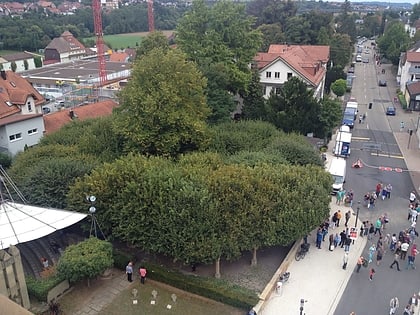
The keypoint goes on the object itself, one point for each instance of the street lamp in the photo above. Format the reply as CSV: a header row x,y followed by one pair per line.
x,y
357,213
94,224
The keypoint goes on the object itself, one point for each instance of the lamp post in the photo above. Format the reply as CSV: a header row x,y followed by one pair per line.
x,y
94,224
357,213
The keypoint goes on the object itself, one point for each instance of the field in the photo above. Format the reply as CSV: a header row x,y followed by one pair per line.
x,y
121,41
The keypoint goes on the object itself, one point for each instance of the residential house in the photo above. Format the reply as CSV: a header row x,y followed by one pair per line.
x,y
110,4
23,60
282,62
412,95
54,121
409,67
64,49
21,123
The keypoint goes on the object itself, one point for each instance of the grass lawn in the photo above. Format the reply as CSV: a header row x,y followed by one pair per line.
x,y
7,52
186,303
121,41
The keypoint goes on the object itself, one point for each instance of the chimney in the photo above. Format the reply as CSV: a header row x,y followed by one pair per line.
x,y
3,74
71,114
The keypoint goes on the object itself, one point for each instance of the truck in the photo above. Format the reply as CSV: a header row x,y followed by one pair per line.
x,y
349,116
342,144
338,172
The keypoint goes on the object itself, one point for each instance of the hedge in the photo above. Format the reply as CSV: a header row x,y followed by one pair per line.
x,y
39,288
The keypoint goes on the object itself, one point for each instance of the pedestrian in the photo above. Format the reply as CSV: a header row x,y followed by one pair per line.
x,y
413,302
395,262
347,217
372,250
345,260
343,237
371,231
371,274
372,199
347,243
129,271
378,189
319,236
338,218
337,240
359,263
331,242
404,249
412,257
366,228
412,197
379,255
388,190
393,242
407,310
401,126
378,226
143,273
360,118
394,303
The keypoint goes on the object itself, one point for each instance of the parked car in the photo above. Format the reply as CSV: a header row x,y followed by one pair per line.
x,y
391,111
46,110
351,70
365,60
382,82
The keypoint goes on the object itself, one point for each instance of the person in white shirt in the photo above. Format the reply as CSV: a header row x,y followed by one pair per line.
x,y
404,249
412,197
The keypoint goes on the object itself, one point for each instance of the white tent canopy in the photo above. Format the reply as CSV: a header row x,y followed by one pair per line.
x,y
22,223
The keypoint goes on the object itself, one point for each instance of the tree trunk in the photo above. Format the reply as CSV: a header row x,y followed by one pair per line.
x,y
217,274
254,256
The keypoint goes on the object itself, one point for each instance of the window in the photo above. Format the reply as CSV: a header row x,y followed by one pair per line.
x,y
29,107
15,137
268,74
277,75
32,131
278,90
289,75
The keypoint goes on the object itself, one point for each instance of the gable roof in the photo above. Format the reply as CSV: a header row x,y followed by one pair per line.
x,y
65,43
413,56
413,88
304,59
15,90
54,121
18,56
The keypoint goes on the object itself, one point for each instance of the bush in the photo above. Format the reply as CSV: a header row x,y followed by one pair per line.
x,y
5,160
39,288
212,288
121,259
402,100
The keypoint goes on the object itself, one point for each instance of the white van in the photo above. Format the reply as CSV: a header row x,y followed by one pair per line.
x,y
338,173
358,58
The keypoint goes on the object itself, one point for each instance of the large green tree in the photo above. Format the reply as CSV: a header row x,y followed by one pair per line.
x,y
85,260
153,40
272,11
221,40
394,41
163,113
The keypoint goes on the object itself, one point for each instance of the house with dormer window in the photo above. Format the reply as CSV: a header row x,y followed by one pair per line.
x,y
281,62
21,121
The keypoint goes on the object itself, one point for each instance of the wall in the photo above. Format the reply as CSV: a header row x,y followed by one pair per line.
x,y
12,278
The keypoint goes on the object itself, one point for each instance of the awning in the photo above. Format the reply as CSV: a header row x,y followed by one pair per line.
x,y
22,223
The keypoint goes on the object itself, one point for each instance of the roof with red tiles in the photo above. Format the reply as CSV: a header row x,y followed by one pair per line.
x,y
413,56
54,121
413,88
14,91
304,59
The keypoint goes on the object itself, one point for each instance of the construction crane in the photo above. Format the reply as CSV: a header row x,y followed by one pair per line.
x,y
97,19
150,15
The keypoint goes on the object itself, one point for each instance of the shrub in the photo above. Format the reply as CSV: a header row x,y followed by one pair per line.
x,y
39,288
121,259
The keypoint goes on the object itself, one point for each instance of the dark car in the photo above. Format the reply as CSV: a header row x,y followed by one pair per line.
x,y
390,111
382,83
46,110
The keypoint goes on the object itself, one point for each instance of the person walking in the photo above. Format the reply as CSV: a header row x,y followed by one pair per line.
x,y
337,240
407,310
411,257
404,249
371,274
394,303
331,242
347,217
338,218
372,250
413,302
345,260
129,271
412,197
378,227
379,254
343,238
395,262
393,242
143,273
359,264
388,191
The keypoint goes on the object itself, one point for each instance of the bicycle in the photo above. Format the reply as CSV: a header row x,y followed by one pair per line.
x,y
301,253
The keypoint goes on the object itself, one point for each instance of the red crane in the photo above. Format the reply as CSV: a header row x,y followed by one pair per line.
x,y
150,15
97,19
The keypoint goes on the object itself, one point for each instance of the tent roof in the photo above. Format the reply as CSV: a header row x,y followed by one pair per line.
x,y
22,223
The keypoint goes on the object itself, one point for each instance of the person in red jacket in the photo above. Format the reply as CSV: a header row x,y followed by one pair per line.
x,y
142,272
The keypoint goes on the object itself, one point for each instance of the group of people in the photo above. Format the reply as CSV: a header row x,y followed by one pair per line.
x,y
344,197
410,308
129,271
381,191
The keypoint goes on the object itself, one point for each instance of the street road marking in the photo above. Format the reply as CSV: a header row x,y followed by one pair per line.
x,y
386,155
360,138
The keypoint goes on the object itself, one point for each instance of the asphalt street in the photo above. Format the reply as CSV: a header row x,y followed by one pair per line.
x,y
374,143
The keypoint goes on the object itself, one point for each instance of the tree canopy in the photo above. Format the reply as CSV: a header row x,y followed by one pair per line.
x,y
163,113
394,41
